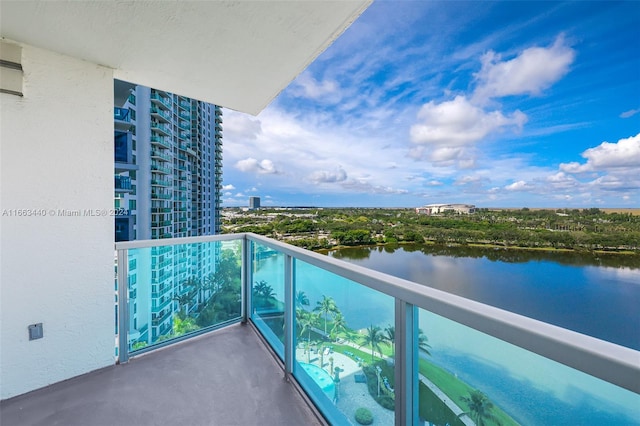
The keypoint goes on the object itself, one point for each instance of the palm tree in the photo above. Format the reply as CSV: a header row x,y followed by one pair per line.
x,y
326,306
183,301
305,323
339,323
263,293
423,342
373,338
301,299
195,286
391,338
480,407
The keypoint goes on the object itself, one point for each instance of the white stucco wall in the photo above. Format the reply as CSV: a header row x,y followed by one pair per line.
x,y
56,152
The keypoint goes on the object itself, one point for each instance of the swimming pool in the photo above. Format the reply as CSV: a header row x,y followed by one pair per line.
x,y
321,378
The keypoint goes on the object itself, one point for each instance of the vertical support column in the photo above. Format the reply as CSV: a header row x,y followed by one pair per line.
x,y
123,306
289,315
245,279
406,364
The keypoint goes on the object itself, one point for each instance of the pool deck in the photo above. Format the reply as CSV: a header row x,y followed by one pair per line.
x,y
227,378
352,395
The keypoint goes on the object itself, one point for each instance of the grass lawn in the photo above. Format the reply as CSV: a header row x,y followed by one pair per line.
x,y
454,388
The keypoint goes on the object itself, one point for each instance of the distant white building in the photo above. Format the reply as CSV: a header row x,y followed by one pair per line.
x,y
441,208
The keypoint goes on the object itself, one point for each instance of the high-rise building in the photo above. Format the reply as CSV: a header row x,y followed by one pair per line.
x,y
168,179
254,203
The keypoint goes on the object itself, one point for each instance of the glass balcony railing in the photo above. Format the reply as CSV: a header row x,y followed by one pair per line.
x,y
122,183
121,114
365,344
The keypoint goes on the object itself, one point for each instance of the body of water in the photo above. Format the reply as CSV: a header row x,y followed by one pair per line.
x,y
592,295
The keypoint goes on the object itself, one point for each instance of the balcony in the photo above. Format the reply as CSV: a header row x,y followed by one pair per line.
x,y
263,283
162,114
160,155
161,128
160,140
189,395
122,183
121,118
160,169
160,101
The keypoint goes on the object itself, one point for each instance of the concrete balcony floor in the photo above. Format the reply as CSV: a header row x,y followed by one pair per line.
x,y
227,377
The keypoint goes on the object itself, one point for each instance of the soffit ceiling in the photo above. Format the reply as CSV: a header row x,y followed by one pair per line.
x,y
238,54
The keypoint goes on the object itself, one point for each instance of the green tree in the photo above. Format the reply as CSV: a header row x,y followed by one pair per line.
x,y
305,324
479,408
423,342
339,324
390,336
373,338
301,299
325,307
183,326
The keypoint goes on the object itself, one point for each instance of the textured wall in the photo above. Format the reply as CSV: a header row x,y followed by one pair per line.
x,y
56,153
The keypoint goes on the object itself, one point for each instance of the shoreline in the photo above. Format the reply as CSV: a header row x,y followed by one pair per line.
x,y
487,246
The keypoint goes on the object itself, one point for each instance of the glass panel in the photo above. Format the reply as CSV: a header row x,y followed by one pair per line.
x,y
344,338
465,371
181,289
267,294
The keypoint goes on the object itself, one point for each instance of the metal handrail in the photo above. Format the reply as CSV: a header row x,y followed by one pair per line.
x,y
610,362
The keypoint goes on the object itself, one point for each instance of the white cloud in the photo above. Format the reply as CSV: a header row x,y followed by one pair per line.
x,y
561,180
629,113
308,87
251,165
531,72
622,154
323,176
457,123
518,186
228,187
241,126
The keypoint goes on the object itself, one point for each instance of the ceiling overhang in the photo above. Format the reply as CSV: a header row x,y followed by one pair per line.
x,y
238,54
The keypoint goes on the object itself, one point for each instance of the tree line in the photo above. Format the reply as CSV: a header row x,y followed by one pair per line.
x,y
586,229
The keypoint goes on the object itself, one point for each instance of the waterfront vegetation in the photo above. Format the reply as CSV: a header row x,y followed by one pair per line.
x,y
593,230
322,326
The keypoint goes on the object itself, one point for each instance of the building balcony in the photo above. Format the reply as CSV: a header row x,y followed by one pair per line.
x,y
160,169
161,128
122,118
211,396
122,183
160,114
160,140
161,101
266,277
160,196
264,285
161,182
160,155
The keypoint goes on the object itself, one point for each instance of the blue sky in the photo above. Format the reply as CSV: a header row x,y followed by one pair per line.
x,y
498,104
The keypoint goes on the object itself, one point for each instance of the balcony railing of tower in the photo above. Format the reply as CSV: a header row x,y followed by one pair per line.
x,y
258,280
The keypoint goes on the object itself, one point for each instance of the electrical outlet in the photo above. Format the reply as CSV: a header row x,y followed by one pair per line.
x,y
36,331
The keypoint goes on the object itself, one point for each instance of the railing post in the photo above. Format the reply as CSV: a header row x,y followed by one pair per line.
x,y
123,305
289,315
406,364
246,279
